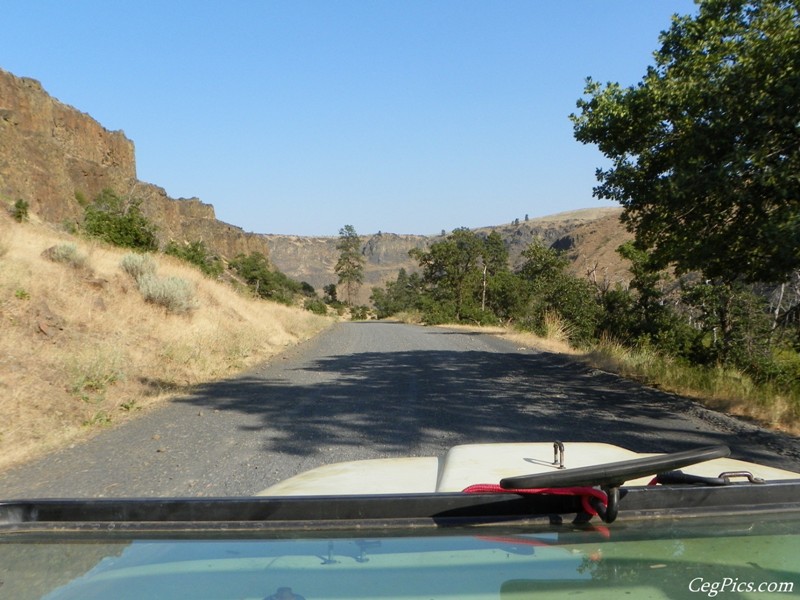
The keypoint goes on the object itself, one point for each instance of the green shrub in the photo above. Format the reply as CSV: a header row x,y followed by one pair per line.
x,y
119,222
69,226
197,254
264,281
67,254
437,313
402,294
359,313
552,290
329,294
316,306
20,210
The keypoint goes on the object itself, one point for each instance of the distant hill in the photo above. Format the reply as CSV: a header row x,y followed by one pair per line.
x,y
592,248
589,237
558,231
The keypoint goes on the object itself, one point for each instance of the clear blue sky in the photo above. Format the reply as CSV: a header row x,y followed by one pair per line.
x,y
299,117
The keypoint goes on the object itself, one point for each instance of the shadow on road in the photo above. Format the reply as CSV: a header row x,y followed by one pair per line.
x,y
400,400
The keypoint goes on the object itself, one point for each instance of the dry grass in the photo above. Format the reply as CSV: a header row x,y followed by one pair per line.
x,y
527,339
556,344
722,388
80,347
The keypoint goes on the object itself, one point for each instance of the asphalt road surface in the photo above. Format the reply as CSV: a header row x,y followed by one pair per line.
x,y
373,390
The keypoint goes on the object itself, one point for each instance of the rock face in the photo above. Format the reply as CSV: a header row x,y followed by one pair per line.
x,y
51,152
548,230
592,250
312,259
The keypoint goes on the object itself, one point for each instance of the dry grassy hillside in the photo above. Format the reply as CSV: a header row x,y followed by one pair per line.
x,y
592,250
80,348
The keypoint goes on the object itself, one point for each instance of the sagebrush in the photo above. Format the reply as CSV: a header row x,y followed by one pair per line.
x,y
175,294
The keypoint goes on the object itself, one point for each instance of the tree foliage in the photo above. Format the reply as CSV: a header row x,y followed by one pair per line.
x,y
647,313
464,277
350,265
704,150
735,323
197,254
120,222
266,282
467,278
550,289
450,272
330,295
402,294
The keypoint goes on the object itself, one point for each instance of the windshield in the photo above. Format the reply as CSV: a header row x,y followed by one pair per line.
x,y
203,404
677,559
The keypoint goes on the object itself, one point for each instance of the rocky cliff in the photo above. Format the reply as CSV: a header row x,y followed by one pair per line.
x,y
51,152
312,259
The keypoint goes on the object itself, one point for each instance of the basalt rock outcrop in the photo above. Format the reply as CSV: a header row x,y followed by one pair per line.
x,y
312,259
51,154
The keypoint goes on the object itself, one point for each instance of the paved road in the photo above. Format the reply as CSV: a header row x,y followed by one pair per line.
x,y
370,390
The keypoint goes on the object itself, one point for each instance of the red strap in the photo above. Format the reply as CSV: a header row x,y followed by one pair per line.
x,y
586,493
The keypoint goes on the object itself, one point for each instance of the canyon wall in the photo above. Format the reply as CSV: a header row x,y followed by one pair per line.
x,y
51,154
589,238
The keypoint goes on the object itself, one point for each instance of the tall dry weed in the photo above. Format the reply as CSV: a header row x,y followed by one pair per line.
x,y
556,328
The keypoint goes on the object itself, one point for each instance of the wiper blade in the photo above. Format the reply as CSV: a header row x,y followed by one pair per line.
x,y
616,473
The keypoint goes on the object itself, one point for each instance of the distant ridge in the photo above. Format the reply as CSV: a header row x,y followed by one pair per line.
x,y
579,214
589,237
